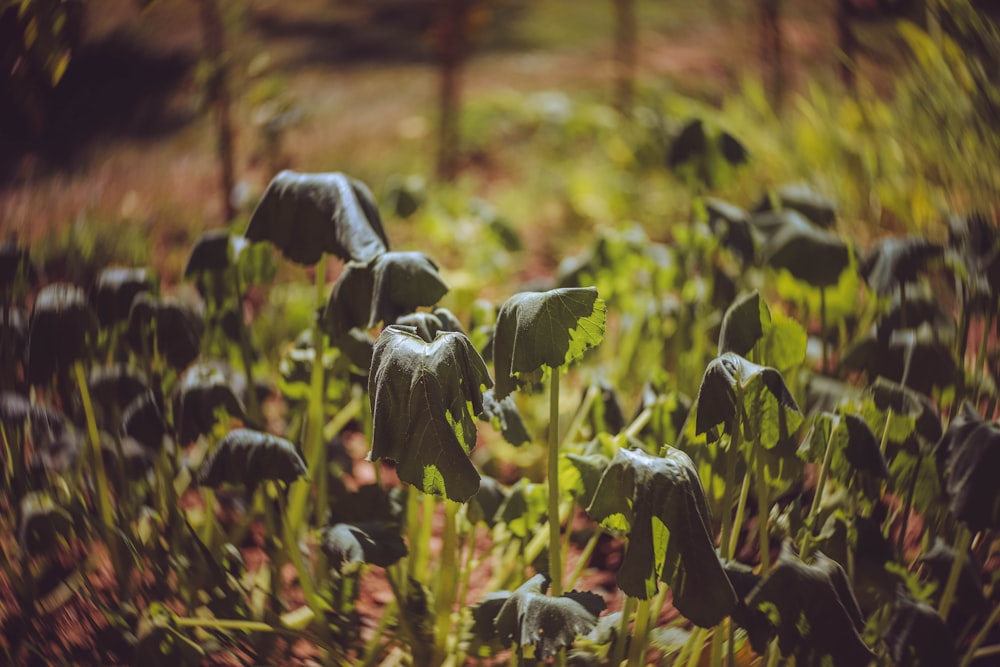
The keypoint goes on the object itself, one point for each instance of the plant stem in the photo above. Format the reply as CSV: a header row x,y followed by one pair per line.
x,y
246,351
446,581
555,550
980,637
593,391
885,431
908,504
588,550
618,650
962,541
718,643
697,645
824,471
316,395
732,458
822,328
637,649
741,507
763,513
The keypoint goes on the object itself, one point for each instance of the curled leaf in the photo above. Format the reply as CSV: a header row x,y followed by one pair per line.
x,y
819,209
730,374
504,415
62,324
424,397
376,543
893,261
202,390
250,457
116,288
809,253
166,325
918,637
743,324
971,452
661,502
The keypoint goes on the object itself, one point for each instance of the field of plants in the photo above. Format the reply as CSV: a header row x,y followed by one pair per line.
x,y
696,382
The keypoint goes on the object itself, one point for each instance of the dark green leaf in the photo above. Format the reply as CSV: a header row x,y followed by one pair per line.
x,y
428,324
743,324
691,143
504,416
809,253
44,524
174,328
376,543
732,225
732,149
393,284
143,420
55,438
524,508
728,374
487,501
112,387
116,288
528,617
15,265
862,450
817,614
215,250
661,502
202,390
918,637
969,594
590,468
424,397
305,215
62,324
250,457
971,451
905,401
893,261
552,329
802,198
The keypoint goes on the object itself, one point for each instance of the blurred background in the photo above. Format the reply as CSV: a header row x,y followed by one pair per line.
x,y
128,127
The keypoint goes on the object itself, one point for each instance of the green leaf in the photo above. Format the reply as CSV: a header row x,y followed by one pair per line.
x,y
784,344
813,609
528,617
116,288
391,285
143,421
424,397
918,637
62,326
731,225
552,329
670,532
43,526
250,457
505,417
971,452
428,324
938,562
800,197
202,390
862,450
524,508
373,542
729,374
905,401
811,254
173,329
487,502
590,469
306,215
743,324
893,261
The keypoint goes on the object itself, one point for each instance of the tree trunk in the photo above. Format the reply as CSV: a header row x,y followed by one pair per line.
x,y
626,56
214,36
451,55
772,49
847,44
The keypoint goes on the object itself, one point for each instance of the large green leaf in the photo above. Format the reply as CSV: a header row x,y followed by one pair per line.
x,y
971,452
812,254
44,525
528,617
372,542
918,637
250,457
905,401
391,285
143,421
505,417
424,397
813,609
166,325
306,215
201,392
660,501
62,326
730,374
893,261
743,324
116,288
731,224
800,197
428,324
536,329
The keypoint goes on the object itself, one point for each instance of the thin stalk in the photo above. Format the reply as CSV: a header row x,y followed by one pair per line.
x,y
908,504
555,550
822,327
885,431
593,391
241,625
773,655
983,349
718,643
424,535
316,395
618,650
371,650
732,458
763,512
824,471
962,541
980,637
290,535
637,649
639,423
246,351
585,555
697,646
741,507
412,531
447,580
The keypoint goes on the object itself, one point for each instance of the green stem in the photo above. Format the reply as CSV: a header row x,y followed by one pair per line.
x,y
718,643
980,637
885,431
732,458
637,649
290,535
372,649
316,396
696,642
817,502
911,490
446,581
741,507
246,351
639,423
962,541
983,350
555,550
241,625
585,555
593,391
773,655
763,513
822,328
618,650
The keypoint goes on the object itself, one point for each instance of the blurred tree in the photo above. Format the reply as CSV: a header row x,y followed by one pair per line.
x,y
772,49
626,56
213,30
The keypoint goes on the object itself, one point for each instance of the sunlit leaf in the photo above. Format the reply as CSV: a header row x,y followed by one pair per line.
x,y
662,503
424,398
743,324
536,329
306,215
730,373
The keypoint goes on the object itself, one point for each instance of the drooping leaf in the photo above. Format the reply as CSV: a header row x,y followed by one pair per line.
x,y
971,453
862,449
428,324
606,415
376,543
215,250
918,637
250,457
814,610
202,390
424,398
590,469
391,285
116,288
690,143
166,325
732,225
487,501
56,440
536,329
974,254
62,325
504,415
893,261
43,524
969,596
743,324
112,387
143,421
925,361
803,198
524,508
905,401
811,254
305,215
369,504
528,617
725,376
662,503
